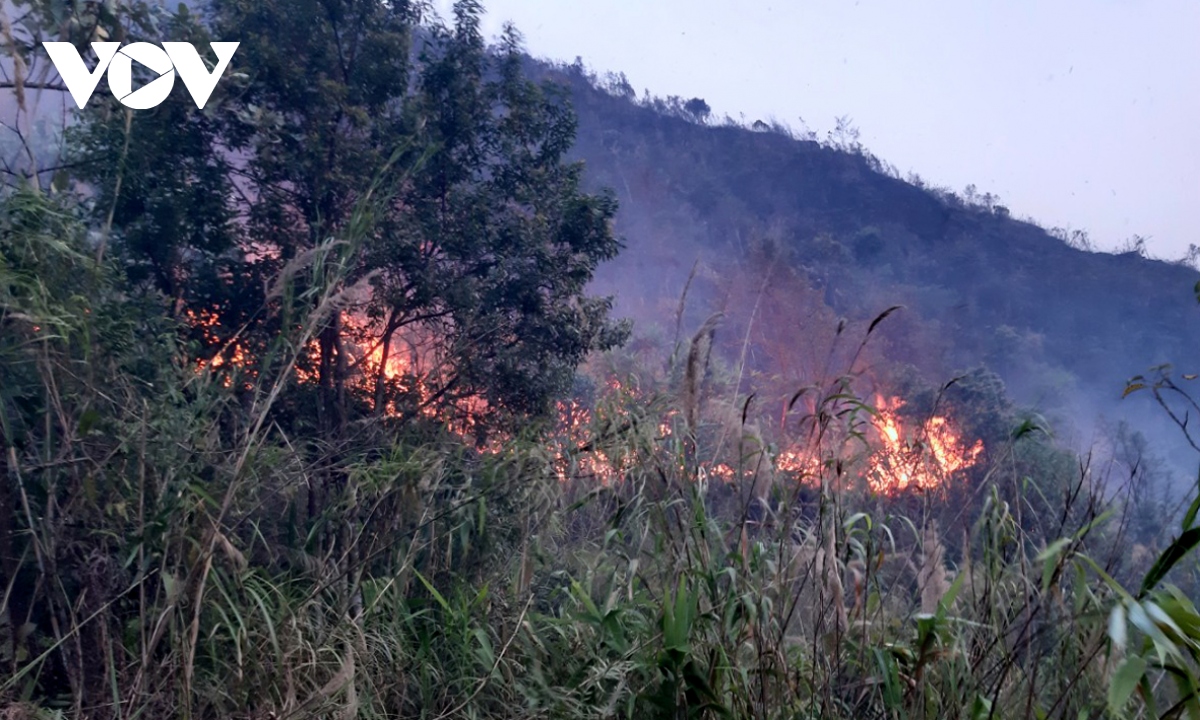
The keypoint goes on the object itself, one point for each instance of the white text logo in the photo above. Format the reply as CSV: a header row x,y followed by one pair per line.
x,y
172,57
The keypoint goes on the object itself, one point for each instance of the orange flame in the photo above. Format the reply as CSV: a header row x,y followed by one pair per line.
x,y
232,354
802,464
924,458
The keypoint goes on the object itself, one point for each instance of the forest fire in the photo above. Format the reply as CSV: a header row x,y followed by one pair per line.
x,y
231,354
574,431
906,455
922,458
806,467
407,366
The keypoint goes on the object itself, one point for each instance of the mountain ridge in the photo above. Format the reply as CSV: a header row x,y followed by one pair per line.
x,y
999,291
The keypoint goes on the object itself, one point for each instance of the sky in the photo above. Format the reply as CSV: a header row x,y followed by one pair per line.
x,y
1081,114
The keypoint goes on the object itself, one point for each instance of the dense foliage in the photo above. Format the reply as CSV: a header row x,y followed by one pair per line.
x,y
473,275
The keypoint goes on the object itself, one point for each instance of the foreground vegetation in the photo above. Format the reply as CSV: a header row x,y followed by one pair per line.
x,y
161,558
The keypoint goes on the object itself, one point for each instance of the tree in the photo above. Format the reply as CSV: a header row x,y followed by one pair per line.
x,y
469,295
489,266
698,109
1134,245
161,190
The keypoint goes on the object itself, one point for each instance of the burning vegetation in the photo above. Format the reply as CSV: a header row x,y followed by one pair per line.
x,y
903,454
403,377
916,456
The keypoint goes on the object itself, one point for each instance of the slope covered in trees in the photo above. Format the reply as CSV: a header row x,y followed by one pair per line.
x,y
1056,321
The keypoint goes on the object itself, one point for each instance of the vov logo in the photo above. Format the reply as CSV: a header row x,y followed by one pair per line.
x,y
172,57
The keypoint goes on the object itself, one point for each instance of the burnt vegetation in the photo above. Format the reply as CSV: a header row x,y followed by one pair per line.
x,y
415,378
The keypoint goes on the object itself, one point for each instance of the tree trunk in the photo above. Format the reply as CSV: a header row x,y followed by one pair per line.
x,y
384,355
332,379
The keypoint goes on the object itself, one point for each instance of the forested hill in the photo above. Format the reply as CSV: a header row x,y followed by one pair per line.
x,y
979,286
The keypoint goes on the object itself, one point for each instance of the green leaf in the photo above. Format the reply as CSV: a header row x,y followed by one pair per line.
x,y
1113,585
1185,683
1183,613
951,595
433,591
1147,690
1161,618
171,585
981,708
586,600
485,653
1162,644
1189,518
1172,555
1049,558
891,678
1125,679
853,520
1028,427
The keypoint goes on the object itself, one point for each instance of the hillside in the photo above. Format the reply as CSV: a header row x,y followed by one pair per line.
x,y
978,285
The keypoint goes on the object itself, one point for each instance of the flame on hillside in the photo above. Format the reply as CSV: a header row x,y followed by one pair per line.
x,y
583,451
923,457
905,456
410,367
413,366
227,354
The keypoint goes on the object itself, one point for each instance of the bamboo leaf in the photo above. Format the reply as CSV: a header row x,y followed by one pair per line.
x,y
1167,560
881,317
433,591
1125,679
1118,630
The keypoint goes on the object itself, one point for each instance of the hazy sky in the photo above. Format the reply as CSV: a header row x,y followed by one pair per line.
x,y
1080,113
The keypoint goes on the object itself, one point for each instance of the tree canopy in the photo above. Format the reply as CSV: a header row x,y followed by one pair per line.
x,y
467,299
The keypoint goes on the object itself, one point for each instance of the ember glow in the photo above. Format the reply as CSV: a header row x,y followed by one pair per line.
x,y
413,366
573,432
803,465
226,354
905,455
410,367
921,457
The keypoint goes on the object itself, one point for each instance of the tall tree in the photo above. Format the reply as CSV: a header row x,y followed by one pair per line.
x,y
486,276
322,111
476,310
